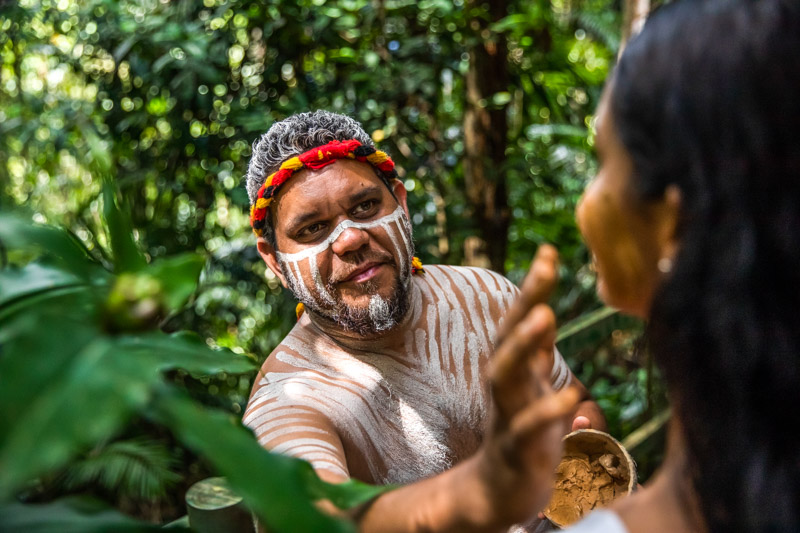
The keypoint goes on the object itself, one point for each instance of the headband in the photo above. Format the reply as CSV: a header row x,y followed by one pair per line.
x,y
315,159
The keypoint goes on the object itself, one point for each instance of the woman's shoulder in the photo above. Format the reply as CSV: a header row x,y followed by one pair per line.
x,y
601,521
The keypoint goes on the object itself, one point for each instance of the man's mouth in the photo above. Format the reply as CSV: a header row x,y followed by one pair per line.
x,y
364,273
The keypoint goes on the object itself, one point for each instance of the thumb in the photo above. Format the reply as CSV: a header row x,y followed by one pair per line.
x,y
581,422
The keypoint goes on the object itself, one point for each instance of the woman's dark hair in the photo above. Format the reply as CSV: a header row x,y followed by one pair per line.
x,y
707,98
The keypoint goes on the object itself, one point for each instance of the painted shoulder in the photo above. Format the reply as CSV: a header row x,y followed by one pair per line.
x,y
475,277
302,348
297,366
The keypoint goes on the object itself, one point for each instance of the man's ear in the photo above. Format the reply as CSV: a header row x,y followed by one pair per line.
x,y
267,253
401,194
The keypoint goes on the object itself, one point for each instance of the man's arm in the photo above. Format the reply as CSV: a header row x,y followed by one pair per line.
x,y
296,430
587,414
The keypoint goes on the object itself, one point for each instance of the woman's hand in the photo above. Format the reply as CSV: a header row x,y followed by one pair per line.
x,y
523,447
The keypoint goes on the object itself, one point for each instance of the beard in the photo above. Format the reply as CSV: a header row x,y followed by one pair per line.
x,y
380,314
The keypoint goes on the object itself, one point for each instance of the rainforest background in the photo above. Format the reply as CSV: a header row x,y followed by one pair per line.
x,y
125,131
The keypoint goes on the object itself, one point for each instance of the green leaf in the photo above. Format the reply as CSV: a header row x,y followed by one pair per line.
x,y
124,47
138,468
16,233
70,515
348,494
33,362
78,300
539,130
161,62
90,401
178,276
127,256
511,21
100,160
182,350
275,487
646,430
501,98
33,279
69,388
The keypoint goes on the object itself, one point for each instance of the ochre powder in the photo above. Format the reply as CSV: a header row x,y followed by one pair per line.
x,y
585,481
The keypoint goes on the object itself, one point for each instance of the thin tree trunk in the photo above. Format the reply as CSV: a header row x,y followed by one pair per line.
x,y
485,134
634,16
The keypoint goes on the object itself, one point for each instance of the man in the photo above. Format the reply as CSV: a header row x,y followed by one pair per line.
x,y
384,378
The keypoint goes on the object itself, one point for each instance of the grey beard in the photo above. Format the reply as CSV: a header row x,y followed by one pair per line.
x,y
380,315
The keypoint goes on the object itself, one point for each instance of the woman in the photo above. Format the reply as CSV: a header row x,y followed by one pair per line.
x,y
694,223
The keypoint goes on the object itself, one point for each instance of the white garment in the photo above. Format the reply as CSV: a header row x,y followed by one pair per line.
x,y
600,521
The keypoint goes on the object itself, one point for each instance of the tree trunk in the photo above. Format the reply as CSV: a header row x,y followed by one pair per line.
x,y
633,17
485,134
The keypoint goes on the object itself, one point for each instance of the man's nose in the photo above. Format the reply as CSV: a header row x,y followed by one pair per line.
x,y
350,240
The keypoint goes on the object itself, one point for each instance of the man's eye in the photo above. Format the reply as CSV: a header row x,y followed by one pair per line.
x,y
310,231
365,208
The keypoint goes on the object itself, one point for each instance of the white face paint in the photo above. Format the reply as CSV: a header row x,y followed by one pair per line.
x,y
396,226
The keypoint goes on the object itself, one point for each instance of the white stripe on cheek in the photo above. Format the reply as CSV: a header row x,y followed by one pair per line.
x,y
300,282
387,228
312,264
405,233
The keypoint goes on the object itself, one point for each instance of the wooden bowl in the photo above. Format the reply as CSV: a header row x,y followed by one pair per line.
x,y
595,469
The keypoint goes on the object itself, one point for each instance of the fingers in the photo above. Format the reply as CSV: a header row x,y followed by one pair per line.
x,y
521,354
547,410
536,288
543,419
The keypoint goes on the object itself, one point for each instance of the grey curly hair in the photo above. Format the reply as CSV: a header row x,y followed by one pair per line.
x,y
293,136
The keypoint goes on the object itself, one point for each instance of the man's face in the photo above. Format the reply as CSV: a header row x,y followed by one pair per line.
x,y
343,245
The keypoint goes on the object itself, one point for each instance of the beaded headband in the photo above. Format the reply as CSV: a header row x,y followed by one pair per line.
x,y
315,159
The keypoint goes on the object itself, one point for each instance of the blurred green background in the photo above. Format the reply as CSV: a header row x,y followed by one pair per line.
x,y
125,131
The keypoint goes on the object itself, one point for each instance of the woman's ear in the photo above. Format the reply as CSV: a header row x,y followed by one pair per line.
x,y
270,257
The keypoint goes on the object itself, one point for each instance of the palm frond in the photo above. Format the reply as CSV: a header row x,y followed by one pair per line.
x,y
603,26
138,468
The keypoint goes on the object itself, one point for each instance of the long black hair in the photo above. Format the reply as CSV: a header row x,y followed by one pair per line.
x,y
707,98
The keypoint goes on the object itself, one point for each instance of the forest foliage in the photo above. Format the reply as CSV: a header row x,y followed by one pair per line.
x,y
125,130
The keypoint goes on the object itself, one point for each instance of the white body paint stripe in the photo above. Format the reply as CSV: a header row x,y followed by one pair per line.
x,y
333,467
560,373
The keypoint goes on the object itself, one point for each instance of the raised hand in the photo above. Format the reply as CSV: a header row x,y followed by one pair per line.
x,y
510,478
524,445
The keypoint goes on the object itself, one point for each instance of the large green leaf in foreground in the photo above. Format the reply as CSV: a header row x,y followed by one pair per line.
x,y
76,366
87,388
279,489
